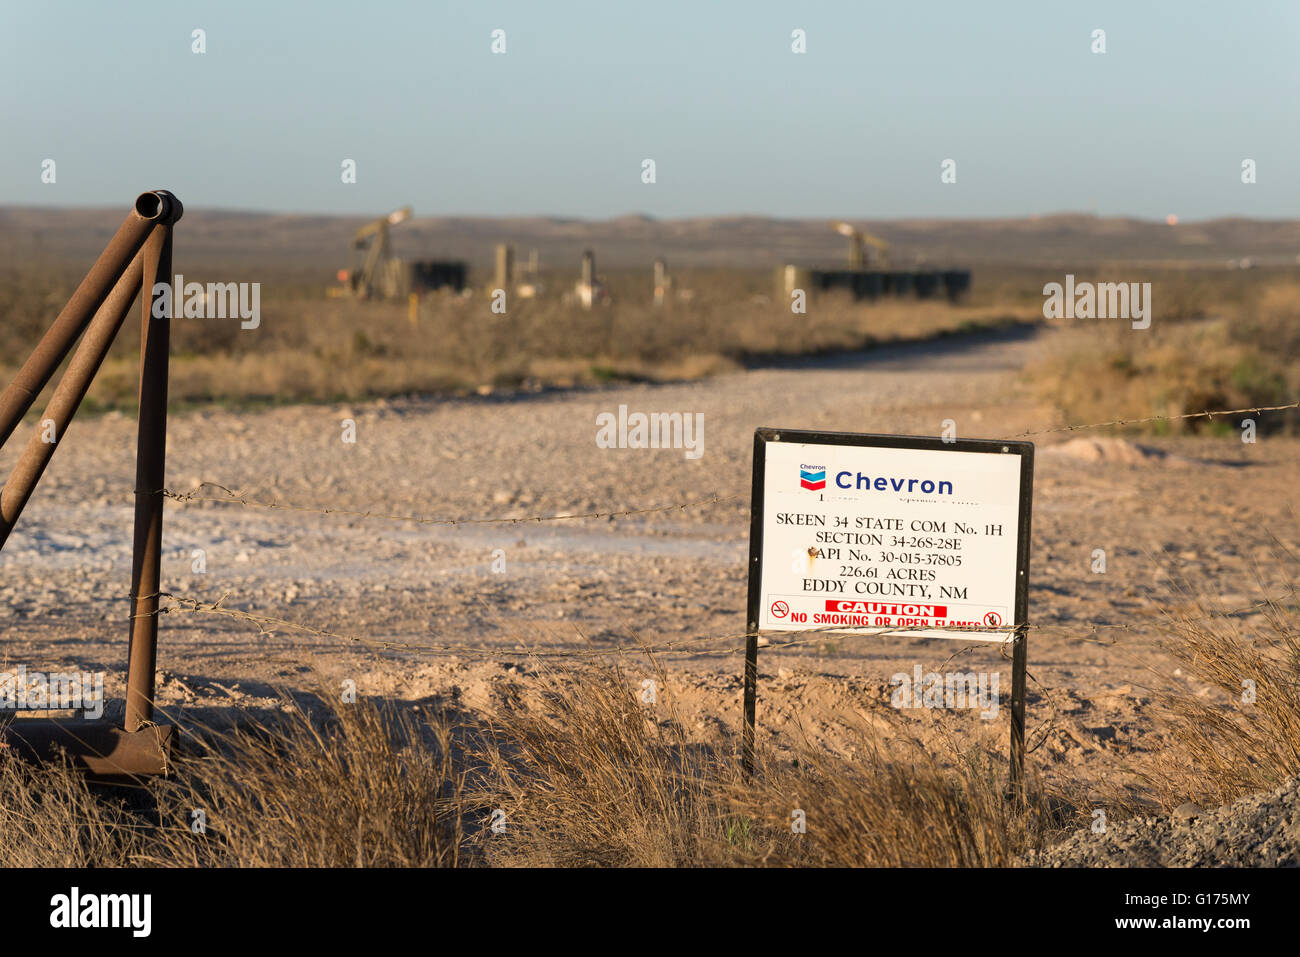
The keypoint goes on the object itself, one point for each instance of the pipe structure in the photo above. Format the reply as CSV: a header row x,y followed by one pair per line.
x,y
150,468
99,748
139,255
67,396
150,208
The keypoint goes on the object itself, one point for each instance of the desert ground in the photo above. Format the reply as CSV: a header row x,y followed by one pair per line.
x,y
458,618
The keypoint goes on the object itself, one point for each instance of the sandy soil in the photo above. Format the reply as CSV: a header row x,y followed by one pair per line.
x,y
1206,513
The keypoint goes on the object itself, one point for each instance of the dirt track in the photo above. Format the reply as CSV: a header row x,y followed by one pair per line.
x,y
1206,513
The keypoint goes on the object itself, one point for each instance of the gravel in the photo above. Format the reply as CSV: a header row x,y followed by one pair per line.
x,y
1262,830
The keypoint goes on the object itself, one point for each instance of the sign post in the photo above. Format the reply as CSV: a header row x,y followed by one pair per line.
x,y
890,534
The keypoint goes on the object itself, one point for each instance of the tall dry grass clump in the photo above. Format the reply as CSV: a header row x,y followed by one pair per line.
x,y
590,774
1242,736
912,809
53,817
358,785
598,777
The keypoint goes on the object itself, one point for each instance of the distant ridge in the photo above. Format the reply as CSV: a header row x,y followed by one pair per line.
x,y
312,242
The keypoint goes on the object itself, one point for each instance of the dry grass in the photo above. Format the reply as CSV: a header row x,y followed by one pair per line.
x,y
360,786
1249,356
54,818
1241,735
912,809
309,347
312,348
586,774
592,775
596,776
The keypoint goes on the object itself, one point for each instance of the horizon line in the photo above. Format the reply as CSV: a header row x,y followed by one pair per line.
x,y
561,217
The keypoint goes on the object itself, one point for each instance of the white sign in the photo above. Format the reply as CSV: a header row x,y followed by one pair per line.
x,y
879,533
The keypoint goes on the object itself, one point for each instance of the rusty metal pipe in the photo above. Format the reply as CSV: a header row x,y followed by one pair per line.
x,y
151,208
68,394
150,468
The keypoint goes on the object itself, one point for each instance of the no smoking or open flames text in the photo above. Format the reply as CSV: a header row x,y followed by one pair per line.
x,y
869,538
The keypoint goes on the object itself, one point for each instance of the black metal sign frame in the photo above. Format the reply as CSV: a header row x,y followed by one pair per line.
x,y
915,442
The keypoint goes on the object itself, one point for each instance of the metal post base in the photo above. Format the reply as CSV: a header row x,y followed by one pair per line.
x,y
96,747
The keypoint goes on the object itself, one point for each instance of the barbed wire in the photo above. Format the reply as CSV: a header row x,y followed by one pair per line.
x,y
267,624
1159,418
238,498
1035,740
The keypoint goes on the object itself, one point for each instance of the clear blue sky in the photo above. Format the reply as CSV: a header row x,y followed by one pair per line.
x,y
736,122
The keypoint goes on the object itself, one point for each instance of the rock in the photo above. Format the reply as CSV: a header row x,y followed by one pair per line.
x,y
1110,451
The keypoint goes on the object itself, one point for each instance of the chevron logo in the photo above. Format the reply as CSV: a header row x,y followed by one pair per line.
x,y
812,477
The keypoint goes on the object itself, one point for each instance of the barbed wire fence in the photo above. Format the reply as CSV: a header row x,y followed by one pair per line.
x,y
239,498
266,624
695,647
1162,418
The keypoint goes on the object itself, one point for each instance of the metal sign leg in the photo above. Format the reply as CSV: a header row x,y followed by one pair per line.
x,y
751,703
1019,658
